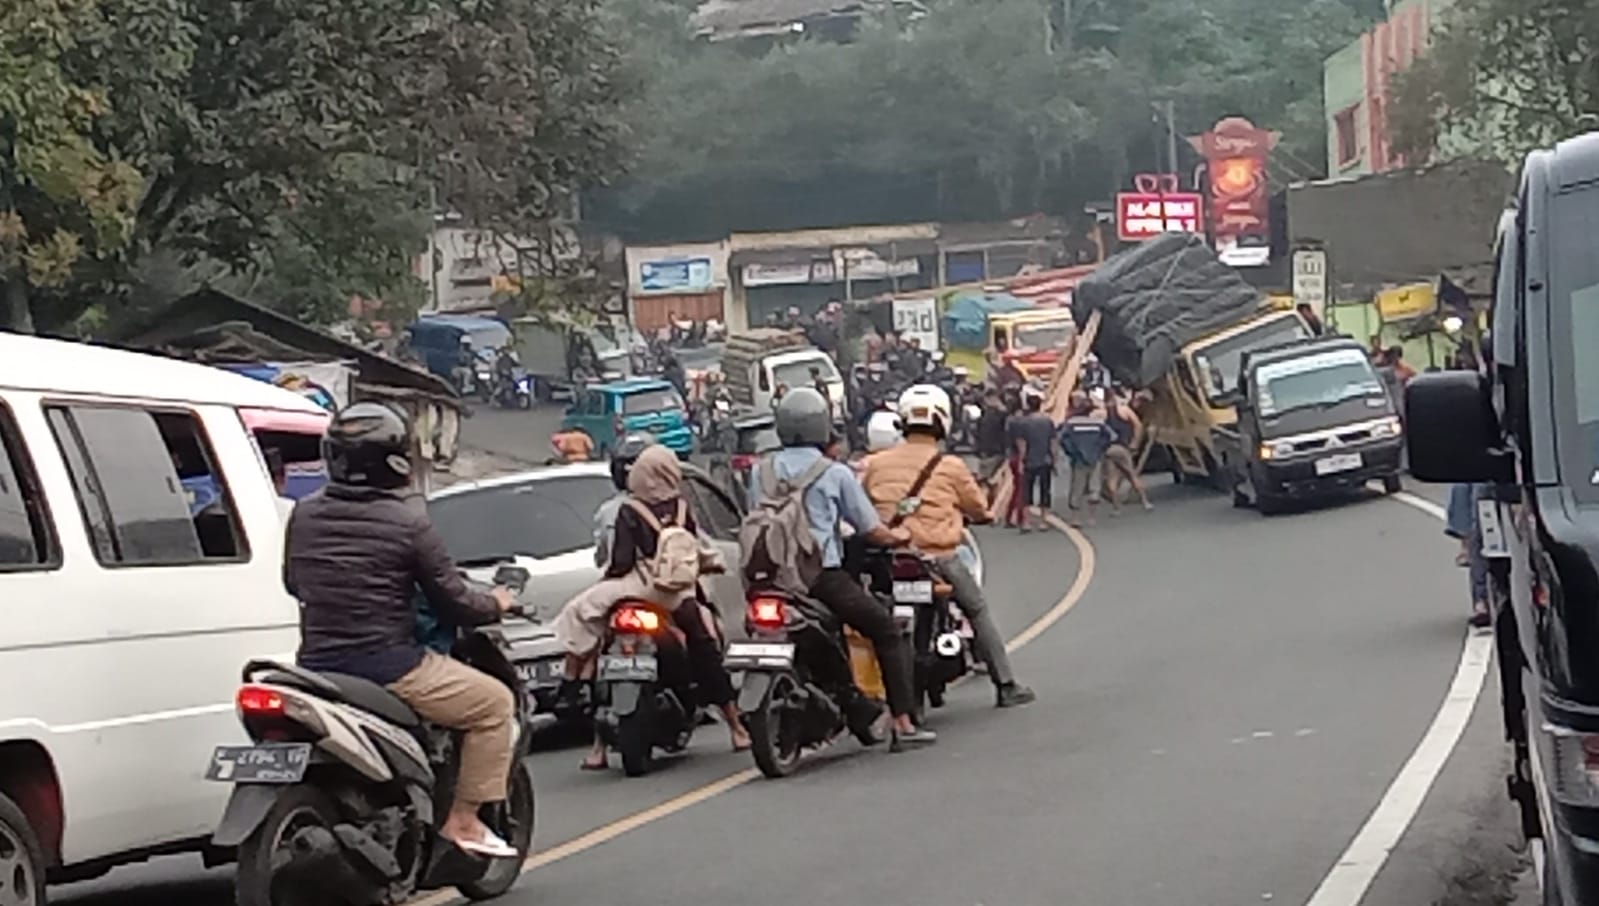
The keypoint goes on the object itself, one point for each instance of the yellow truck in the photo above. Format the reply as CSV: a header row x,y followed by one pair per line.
x,y
1190,401
1034,339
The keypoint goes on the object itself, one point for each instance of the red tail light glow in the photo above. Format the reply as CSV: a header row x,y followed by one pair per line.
x,y
908,568
259,701
768,613
635,620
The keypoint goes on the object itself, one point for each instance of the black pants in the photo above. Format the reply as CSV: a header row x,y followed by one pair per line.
x,y
844,596
1038,485
704,655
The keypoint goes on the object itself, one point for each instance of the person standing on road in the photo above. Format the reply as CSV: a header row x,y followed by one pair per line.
x,y
993,443
1462,522
916,485
1120,464
1032,435
1084,437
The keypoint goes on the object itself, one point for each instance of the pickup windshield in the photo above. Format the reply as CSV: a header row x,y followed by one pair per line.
x,y
1320,380
1047,335
1575,274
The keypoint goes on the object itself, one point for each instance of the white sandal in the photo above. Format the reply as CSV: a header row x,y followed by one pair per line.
x,y
489,847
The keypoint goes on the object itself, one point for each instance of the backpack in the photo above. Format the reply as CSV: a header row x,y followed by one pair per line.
x,y
675,568
775,542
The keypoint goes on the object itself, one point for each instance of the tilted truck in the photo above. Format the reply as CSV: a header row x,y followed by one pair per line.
x,y
757,362
1176,322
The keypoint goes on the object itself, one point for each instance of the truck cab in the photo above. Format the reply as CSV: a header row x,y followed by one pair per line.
x,y
1524,431
1313,418
1034,340
1196,398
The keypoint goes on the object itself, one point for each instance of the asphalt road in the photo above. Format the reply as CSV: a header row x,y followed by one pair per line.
x,y
1217,717
524,435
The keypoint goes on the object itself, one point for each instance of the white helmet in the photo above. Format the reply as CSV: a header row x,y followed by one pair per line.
x,y
925,406
882,431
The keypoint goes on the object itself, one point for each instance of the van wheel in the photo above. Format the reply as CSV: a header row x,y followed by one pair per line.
x,y
1392,484
21,858
1268,504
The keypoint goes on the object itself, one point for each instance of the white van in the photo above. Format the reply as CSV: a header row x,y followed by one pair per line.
x,y
141,550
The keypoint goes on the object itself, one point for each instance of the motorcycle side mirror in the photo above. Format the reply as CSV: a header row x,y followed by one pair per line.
x,y
512,577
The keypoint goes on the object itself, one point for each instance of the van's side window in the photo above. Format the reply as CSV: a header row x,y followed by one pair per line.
x,y
27,539
148,486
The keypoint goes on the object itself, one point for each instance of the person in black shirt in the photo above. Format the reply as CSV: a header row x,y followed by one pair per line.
x,y
993,443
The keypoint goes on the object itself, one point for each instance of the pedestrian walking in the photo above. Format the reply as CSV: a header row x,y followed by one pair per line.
x,y
1462,523
1084,437
992,441
1032,435
1120,464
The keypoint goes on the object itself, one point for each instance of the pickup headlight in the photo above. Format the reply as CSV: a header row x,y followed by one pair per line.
x,y
1276,449
1388,427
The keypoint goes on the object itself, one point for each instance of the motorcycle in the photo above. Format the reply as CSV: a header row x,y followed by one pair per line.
x,y
340,795
941,637
797,690
514,391
644,697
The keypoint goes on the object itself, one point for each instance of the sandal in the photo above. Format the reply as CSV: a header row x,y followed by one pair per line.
x,y
489,846
602,765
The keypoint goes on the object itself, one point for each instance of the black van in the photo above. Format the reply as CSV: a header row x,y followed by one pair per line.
x,y
1526,431
1313,418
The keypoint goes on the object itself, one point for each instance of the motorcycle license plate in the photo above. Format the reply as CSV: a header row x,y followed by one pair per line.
x,y
760,654
271,762
916,591
537,673
904,613
628,667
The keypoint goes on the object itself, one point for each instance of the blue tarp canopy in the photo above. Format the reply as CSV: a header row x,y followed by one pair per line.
x,y
966,319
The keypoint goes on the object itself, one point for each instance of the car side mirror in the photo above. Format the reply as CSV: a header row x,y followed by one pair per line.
x,y
1451,429
1233,398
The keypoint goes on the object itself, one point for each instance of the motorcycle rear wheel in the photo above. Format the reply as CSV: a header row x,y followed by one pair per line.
x,y
296,808
635,742
774,743
513,820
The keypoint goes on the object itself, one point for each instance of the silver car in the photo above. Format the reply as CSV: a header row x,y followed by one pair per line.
x,y
543,521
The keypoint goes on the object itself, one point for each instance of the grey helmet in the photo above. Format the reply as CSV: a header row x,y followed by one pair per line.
x,y
804,419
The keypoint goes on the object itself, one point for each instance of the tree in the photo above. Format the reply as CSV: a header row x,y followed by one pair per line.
x,y
69,186
1502,77
293,141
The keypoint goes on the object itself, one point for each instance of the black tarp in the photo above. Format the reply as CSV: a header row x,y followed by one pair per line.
x,y
1157,297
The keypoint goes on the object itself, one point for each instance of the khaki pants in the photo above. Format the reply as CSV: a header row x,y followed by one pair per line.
x,y
447,692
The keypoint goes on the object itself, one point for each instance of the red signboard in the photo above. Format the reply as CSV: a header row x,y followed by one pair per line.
x,y
1145,215
1235,152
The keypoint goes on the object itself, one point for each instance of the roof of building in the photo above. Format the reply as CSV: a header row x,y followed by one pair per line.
x,y
721,19
64,366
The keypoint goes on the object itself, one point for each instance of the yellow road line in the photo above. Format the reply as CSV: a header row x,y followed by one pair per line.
x,y
608,832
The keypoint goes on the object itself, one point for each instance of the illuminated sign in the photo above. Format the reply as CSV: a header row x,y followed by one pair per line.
x,y
1145,215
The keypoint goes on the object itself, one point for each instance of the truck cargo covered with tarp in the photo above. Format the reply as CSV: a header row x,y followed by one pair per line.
x,y
1156,298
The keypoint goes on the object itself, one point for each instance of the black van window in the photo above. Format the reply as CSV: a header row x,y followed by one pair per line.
x,y
148,486
1574,268
27,539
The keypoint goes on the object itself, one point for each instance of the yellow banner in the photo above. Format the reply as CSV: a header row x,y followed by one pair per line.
x,y
1403,303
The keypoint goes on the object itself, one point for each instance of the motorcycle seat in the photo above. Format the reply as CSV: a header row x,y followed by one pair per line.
x,y
340,687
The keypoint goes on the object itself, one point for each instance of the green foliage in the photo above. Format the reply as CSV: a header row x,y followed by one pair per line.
x,y
292,142
1502,77
980,109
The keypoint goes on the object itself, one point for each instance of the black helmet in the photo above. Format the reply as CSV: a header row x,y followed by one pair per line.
x,y
367,445
804,419
626,453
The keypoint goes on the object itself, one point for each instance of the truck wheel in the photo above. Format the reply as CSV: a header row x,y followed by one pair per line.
x,y
21,857
1392,484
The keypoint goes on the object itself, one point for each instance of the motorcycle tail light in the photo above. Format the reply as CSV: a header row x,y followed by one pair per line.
x,y
769,613
259,701
630,619
909,568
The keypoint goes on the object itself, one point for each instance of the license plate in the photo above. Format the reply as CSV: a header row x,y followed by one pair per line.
x,y
536,672
628,667
904,613
1343,462
266,763
761,654
918,591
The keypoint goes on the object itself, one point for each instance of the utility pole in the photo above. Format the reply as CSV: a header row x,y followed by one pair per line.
x,y
433,245
1171,136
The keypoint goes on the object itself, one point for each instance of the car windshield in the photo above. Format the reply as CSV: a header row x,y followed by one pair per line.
x,y
1322,380
1219,361
798,373
544,518
1042,336
1575,271
651,401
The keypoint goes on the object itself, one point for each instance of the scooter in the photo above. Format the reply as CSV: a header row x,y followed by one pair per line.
x,y
340,796
941,638
644,697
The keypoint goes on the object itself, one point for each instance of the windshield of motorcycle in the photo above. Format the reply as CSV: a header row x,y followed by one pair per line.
x,y
534,518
